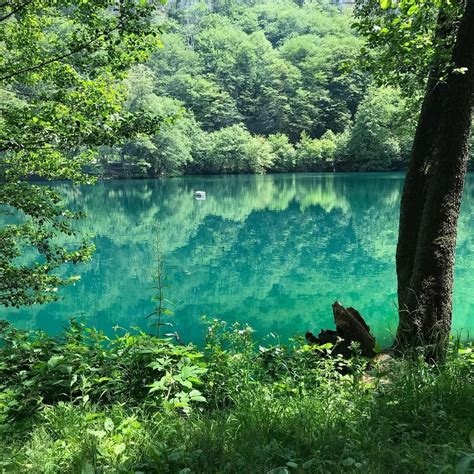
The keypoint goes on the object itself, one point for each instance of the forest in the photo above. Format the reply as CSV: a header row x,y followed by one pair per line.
x,y
236,236
273,87
253,88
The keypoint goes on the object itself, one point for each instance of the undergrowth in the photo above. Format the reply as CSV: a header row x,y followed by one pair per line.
x,y
136,403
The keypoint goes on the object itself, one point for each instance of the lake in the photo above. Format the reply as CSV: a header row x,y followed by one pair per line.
x,y
274,251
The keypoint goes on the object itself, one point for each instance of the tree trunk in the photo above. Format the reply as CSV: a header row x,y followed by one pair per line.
x,y
415,185
426,296
415,188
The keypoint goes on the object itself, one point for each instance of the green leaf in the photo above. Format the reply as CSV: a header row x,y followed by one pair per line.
x,y
195,396
119,448
108,424
97,433
199,398
53,361
464,464
348,462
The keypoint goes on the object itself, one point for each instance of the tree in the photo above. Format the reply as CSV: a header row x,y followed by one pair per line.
x,y
380,138
61,64
175,57
316,154
168,151
333,91
284,153
212,107
275,84
435,178
276,68
234,150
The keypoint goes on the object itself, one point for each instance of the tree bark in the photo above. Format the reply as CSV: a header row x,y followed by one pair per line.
x,y
428,245
350,327
415,184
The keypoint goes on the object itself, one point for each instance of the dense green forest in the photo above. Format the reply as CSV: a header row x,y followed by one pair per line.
x,y
265,87
252,87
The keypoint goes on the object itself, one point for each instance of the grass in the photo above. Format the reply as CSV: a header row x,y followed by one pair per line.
x,y
275,411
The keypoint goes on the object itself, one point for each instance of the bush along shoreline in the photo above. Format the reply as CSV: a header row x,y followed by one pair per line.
x,y
83,402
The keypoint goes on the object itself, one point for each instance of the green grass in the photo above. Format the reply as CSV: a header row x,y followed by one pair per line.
x,y
280,410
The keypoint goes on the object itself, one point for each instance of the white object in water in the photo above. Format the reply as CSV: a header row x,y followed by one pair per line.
x,y
200,195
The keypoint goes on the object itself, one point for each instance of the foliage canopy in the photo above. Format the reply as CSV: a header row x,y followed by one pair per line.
x,y
61,99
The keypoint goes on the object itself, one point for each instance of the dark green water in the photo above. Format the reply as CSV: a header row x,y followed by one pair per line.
x,y
274,251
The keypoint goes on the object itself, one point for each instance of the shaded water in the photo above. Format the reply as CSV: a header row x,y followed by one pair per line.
x,y
274,251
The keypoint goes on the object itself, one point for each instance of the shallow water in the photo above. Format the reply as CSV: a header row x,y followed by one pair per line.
x,y
273,251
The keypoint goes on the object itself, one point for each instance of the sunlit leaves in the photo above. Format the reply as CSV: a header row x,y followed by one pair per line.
x,y
402,44
413,5
85,366
63,64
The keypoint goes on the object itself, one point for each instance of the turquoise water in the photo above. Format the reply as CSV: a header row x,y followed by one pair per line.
x,y
274,251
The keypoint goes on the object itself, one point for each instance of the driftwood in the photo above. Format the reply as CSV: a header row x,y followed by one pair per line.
x,y
350,327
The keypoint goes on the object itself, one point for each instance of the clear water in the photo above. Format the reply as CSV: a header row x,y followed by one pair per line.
x,y
274,251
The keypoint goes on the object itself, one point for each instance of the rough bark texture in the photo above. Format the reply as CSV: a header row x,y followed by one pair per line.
x,y
426,310
415,185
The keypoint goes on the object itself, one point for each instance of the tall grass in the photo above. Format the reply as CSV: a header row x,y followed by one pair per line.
x,y
278,410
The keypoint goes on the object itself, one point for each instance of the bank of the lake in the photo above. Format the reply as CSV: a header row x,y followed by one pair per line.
x,y
81,404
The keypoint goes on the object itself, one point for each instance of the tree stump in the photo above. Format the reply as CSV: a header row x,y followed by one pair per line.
x,y
350,327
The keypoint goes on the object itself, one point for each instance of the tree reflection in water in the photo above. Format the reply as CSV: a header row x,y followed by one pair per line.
x,y
274,251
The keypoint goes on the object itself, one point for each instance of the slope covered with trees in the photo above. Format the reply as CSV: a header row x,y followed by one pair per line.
x,y
272,86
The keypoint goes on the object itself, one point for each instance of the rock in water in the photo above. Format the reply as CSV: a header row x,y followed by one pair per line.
x,y
200,195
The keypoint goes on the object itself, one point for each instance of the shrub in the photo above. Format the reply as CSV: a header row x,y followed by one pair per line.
x,y
269,409
85,366
316,154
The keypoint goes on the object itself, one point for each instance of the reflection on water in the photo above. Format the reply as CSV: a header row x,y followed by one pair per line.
x,y
274,251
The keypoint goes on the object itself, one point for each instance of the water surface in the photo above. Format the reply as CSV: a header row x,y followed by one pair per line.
x,y
273,251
